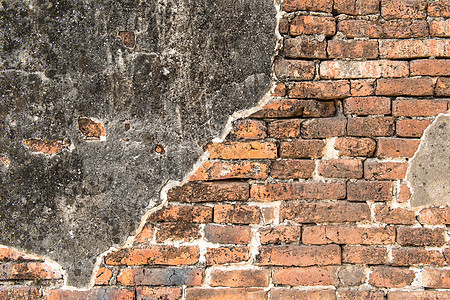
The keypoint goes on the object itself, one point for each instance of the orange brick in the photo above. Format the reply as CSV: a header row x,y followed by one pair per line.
x,y
287,108
320,89
20,292
161,276
28,271
357,7
103,276
324,212
146,235
370,127
219,170
323,128
49,147
237,214
417,256
283,129
403,194
363,87
440,28
350,146
313,25
352,49
360,295
304,48
248,130
411,127
414,48
94,293
306,276
286,70
285,293
425,295
397,216
374,170
177,231
369,191
393,29
227,234
442,88
418,108
436,278
343,69
240,278
364,106
408,236
178,213
298,190
403,9
302,256
302,149
7,254
309,5
209,192
295,169
349,235
166,293
341,168
430,67
279,234
397,147
391,277
405,87
439,8
225,293
280,90
227,255
365,255
90,129
435,216
242,150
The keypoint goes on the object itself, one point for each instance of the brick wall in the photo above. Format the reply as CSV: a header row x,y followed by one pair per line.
x,y
306,197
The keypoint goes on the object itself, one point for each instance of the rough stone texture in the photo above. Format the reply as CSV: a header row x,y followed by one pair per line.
x,y
161,78
429,164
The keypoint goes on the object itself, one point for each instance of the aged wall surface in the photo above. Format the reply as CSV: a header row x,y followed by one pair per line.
x,y
335,187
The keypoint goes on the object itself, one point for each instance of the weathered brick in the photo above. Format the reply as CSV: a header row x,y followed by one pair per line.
x,y
403,194
397,147
248,130
282,129
422,295
298,190
342,69
411,127
324,212
237,214
295,169
363,106
411,236
20,292
280,90
28,271
177,231
178,213
302,149
394,29
225,293
436,278
242,150
430,67
363,87
219,170
341,168
349,235
155,255
369,191
286,70
418,107
351,276
227,255
416,256
103,276
308,5
370,127
302,256
440,8
285,293
166,293
323,128
350,146
161,276
279,234
49,147
304,48
403,9
414,48
90,129
440,28
269,214
7,254
386,170
146,235
357,7
364,255
398,216
313,25
283,26
405,87
286,108
442,88
94,293
240,278
209,192
391,277
128,38
360,295
320,89
227,234
352,49
306,276
435,216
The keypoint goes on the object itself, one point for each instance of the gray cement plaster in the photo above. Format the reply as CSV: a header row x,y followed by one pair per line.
x,y
182,68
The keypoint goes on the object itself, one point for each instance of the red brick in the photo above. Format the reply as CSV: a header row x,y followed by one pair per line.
x,y
286,108
411,127
146,235
419,295
363,87
7,254
370,127
364,106
341,168
350,146
307,276
227,234
436,278
442,88
248,130
349,235
304,48
178,213
20,292
301,256
430,67
291,294
409,236
352,49
369,191
90,129
364,255
237,214
342,69
357,7
94,293
323,128
403,194
283,26
435,216
166,293
103,276
439,8
390,277
240,278
403,9
440,28
225,293
219,170
283,129
209,192
302,149
227,255
286,70
313,25
280,90
417,256
324,212
242,150
386,170
360,295
418,108
405,87
394,29
308,5
320,89
414,48
28,271
49,147
295,169
279,234
397,147
177,231
161,276
155,255
298,190
397,216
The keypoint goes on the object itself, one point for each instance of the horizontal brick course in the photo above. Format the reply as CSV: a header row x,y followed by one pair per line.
x,y
298,190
